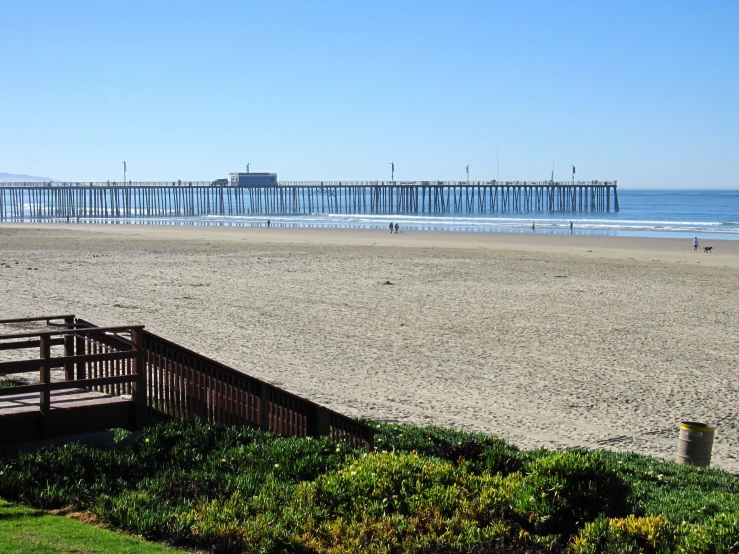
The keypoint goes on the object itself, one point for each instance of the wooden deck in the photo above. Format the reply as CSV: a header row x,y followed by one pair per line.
x,y
60,400
72,412
125,377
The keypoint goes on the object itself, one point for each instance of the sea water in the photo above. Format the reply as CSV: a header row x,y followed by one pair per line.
x,y
707,214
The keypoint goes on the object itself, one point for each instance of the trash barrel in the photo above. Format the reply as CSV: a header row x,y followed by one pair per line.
x,y
695,443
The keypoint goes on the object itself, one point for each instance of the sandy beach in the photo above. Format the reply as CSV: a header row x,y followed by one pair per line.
x,y
555,341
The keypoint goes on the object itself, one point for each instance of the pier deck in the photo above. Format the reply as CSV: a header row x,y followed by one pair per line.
x,y
40,201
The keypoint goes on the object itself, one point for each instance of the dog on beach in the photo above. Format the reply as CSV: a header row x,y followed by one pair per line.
x,y
708,249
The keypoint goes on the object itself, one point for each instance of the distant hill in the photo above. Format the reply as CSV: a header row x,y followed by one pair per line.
x,y
5,177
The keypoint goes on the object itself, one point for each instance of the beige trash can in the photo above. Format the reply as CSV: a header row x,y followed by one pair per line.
x,y
695,443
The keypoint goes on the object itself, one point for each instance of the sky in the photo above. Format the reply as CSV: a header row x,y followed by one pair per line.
x,y
643,92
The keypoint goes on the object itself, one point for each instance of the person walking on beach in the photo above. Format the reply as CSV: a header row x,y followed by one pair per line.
x,y
533,227
695,245
396,228
391,227
570,227
268,223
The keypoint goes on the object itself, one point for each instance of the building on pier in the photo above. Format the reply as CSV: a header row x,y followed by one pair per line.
x,y
253,179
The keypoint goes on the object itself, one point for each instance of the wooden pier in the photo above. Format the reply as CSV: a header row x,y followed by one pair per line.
x,y
109,377
45,201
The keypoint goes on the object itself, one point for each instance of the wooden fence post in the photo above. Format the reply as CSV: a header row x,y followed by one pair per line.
x,y
45,378
323,422
69,349
80,348
138,368
264,407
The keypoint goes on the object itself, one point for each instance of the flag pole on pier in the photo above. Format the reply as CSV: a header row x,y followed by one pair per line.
x,y
124,173
573,174
467,169
392,171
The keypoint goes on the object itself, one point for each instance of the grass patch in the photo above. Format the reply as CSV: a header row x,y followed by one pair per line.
x,y
9,382
24,530
440,491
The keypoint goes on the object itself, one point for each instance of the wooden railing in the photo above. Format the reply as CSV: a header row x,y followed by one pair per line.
x,y
176,382
88,362
184,384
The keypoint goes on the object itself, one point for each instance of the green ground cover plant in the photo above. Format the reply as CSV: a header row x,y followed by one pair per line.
x,y
6,383
24,530
424,490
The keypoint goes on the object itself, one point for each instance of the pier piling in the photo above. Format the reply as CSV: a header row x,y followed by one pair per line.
x,y
47,201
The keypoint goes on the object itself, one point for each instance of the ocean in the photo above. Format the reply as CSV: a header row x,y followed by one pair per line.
x,y
707,214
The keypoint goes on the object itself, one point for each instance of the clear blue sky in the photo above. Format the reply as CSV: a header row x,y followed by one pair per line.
x,y
642,92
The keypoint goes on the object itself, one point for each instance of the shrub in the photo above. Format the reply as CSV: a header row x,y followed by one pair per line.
x,y
679,492
403,502
139,512
60,476
482,452
720,535
564,490
228,489
630,535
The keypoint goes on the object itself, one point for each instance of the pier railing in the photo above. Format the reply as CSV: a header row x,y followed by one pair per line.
x,y
43,201
164,381
180,183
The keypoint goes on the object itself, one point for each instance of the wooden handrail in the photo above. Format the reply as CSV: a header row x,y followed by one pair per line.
x,y
65,385
24,366
40,318
21,389
99,381
81,331
20,345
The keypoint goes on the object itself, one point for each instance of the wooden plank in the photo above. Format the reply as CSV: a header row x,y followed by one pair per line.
x,y
21,389
113,341
22,366
19,345
45,376
39,318
82,331
98,382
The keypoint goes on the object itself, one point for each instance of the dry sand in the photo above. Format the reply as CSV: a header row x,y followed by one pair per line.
x,y
544,340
